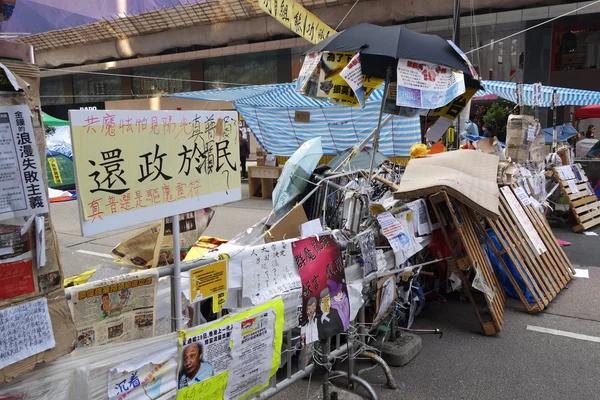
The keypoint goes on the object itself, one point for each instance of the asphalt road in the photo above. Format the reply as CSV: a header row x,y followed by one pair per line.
x,y
518,363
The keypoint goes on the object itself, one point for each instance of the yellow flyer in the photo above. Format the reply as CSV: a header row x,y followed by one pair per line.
x,y
233,357
208,280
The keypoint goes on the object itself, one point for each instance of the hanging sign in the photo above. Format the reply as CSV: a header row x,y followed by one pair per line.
x,y
139,166
427,85
297,18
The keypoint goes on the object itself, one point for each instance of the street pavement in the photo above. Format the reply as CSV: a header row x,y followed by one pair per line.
x,y
519,363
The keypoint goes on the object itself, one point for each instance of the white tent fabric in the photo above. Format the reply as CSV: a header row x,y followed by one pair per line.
x,y
567,97
269,110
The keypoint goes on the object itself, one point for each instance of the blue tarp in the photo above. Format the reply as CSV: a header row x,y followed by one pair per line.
x,y
564,132
269,111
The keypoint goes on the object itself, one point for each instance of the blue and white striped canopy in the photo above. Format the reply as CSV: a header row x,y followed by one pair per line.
x,y
269,111
567,97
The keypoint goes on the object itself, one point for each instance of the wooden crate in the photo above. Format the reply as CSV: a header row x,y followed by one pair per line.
x,y
528,241
264,179
451,213
581,198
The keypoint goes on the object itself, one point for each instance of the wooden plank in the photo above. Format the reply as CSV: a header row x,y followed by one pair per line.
x,y
586,200
588,207
590,224
588,216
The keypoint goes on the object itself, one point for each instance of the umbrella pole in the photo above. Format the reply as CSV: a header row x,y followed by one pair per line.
x,y
377,133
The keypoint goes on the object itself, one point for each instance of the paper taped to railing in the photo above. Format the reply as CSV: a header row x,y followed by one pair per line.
x,y
524,220
208,370
208,280
22,190
268,270
25,330
116,309
151,375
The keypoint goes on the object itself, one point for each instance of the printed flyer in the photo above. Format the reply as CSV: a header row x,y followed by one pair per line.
x,y
214,360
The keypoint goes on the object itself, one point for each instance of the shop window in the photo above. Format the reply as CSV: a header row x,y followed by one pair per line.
x,y
248,69
178,76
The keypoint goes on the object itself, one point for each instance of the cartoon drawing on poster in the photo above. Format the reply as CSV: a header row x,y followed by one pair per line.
x,y
325,304
369,253
427,85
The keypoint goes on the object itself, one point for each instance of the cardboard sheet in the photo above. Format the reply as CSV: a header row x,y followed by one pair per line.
x,y
470,176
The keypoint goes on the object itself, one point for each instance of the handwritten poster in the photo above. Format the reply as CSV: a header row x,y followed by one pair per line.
x,y
523,219
207,369
208,280
25,330
115,310
427,85
22,191
140,166
325,304
152,375
297,18
369,252
268,270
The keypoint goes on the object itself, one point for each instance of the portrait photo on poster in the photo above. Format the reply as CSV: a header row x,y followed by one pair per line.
x,y
325,304
194,369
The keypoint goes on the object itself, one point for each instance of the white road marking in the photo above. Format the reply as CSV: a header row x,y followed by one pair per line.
x,y
93,253
582,273
564,333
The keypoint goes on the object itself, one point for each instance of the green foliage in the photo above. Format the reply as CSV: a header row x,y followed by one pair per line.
x,y
495,119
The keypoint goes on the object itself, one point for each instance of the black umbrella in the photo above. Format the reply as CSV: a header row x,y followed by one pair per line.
x,y
380,47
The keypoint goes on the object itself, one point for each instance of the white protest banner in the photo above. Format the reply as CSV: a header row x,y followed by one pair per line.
x,y
524,220
25,330
22,191
117,309
151,376
426,85
352,73
133,167
268,270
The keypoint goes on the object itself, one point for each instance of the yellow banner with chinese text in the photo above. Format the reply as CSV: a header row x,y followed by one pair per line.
x,y
133,160
297,18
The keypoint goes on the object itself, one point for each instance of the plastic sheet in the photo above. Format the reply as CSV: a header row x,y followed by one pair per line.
x,y
83,374
60,141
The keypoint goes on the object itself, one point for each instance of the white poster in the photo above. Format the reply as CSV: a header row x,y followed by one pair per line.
x,y
387,296
22,191
252,352
268,270
311,61
25,330
517,209
369,252
437,130
352,73
150,376
426,85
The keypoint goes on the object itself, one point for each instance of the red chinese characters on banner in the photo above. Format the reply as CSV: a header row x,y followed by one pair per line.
x,y
325,304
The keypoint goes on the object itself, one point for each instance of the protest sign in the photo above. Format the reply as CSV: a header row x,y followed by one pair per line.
x,y
325,304
335,87
117,309
16,263
297,18
25,330
22,191
208,368
150,376
208,280
523,219
311,62
427,85
140,166
452,110
352,74
268,270
369,253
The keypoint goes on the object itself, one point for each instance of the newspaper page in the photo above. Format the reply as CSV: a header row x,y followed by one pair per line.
x,y
138,249
116,309
17,277
191,226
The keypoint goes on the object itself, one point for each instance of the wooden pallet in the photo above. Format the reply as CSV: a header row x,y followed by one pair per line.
x,y
583,201
526,238
452,213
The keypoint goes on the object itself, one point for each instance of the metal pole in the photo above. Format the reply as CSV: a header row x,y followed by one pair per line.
x,y
456,40
176,295
554,133
388,76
